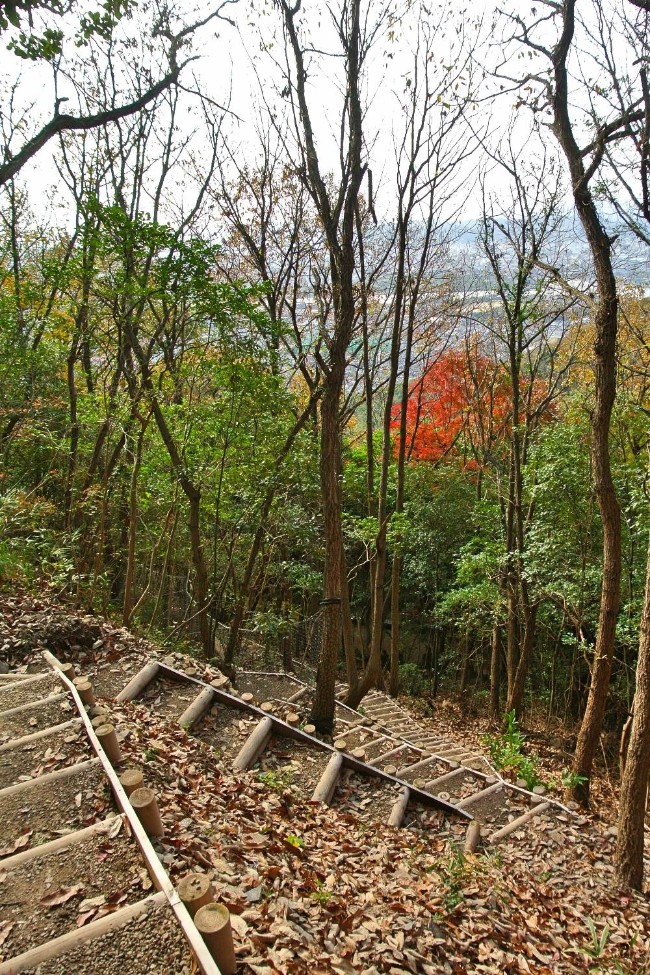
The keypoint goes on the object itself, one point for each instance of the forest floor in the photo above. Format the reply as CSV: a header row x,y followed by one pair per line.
x,y
313,890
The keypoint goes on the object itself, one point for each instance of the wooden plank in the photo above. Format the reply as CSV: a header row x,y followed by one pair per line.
x,y
137,684
520,821
61,773
45,733
254,744
424,763
41,702
201,703
298,694
80,936
446,778
479,796
389,754
398,811
327,782
60,843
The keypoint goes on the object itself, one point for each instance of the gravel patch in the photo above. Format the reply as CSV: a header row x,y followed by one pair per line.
x,y
36,719
47,809
19,693
44,755
152,944
101,867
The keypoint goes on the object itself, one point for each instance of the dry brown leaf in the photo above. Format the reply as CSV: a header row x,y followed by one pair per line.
x,y
18,844
60,896
91,903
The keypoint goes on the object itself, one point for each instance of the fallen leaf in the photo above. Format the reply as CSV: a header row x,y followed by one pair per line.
x,y
18,844
92,902
60,896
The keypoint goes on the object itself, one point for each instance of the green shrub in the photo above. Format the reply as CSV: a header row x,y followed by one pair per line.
x,y
411,680
506,752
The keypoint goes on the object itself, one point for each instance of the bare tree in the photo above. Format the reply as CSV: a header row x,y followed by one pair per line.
x,y
525,332
336,205
552,93
430,153
144,91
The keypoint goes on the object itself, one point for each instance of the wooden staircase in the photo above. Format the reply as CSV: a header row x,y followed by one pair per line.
x,y
382,750
81,887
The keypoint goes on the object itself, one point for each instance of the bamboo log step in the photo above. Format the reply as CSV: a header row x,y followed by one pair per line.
x,y
327,783
49,777
44,733
201,703
254,744
137,684
491,790
31,959
520,821
398,811
40,703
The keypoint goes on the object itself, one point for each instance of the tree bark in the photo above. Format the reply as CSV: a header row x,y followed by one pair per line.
x,y
606,325
322,712
628,859
495,672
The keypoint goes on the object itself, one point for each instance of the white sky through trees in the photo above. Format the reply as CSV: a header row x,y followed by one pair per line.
x,y
240,67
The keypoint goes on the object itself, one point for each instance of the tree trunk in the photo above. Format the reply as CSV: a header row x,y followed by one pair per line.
x,y
495,672
606,325
394,625
516,694
346,627
129,579
512,650
322,713
628,859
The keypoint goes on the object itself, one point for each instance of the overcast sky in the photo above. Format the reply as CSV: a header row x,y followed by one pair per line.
x,y
242,66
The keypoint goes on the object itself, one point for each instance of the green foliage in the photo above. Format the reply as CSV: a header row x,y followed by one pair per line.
x,y
277,781
571,779
321,895
506,752
411,679
598,941
47,42
296,841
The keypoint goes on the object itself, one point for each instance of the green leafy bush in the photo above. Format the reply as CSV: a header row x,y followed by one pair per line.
x,y
506,752
411,679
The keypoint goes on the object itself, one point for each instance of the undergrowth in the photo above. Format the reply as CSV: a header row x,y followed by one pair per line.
x,y
506,752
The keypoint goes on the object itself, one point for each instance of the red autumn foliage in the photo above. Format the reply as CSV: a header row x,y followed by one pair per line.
x,y
462,407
